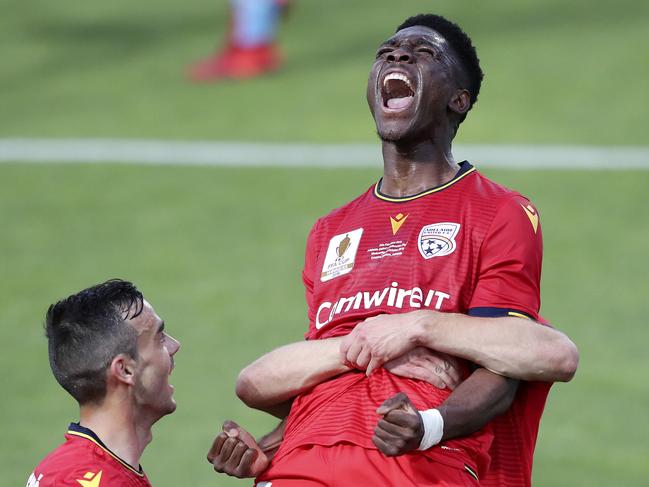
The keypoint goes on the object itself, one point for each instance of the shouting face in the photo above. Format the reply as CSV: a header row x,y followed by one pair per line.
x,y
153,393
411,84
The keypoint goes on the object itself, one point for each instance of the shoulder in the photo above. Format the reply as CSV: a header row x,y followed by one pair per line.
x,y
342,211
75,462
333,219
500,201
498,194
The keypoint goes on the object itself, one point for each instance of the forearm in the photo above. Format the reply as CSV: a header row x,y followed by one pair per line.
x,y
513,347
270,442
285,372
480,398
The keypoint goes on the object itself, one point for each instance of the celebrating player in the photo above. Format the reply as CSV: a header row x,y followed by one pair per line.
x,y
108,349
434,255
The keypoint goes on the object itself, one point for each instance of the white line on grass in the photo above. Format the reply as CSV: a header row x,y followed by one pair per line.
x,y
307,155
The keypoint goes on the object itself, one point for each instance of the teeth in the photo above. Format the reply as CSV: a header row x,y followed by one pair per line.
x,y
398,76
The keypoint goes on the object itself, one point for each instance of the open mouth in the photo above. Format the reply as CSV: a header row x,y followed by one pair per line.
x,y
397,91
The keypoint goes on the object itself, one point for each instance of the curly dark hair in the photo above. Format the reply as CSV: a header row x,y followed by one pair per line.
x,y
461,44
86,330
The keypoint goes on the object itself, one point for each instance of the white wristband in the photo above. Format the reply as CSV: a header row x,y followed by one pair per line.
x,y
433,428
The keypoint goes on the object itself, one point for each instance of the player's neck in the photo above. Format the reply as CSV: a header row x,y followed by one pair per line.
x,y
409,169
118,428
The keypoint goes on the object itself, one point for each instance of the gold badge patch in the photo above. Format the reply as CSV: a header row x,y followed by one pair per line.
x,y
341,255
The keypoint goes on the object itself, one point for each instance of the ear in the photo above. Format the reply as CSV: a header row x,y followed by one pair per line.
x,y
122,368
460,102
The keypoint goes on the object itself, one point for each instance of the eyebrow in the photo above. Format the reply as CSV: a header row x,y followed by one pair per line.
x,y
423,40
417,42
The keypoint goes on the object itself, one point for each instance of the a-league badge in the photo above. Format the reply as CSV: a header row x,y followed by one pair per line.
x,y
341,254
438,239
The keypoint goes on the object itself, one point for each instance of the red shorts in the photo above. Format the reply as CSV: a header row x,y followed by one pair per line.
x,y
345,464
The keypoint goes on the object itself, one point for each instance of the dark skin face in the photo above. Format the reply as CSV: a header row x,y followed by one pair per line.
x,y
416,97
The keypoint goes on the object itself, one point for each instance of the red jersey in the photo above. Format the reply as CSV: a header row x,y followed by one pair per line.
x,y
83,460
515,435
468,246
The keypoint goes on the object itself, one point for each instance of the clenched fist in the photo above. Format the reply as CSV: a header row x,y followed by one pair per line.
x,y
235,452
400,429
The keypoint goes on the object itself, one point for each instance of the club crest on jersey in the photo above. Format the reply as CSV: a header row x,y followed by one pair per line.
x,y
438,239
341,255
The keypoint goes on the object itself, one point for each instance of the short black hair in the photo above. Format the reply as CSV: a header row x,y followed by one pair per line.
x,y
86,330
461,44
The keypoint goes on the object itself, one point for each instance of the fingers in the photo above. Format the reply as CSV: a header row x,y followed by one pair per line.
x,y
235,452
233,430
217,444
385,447
443,366
398,401
443,377
244,469
226,452
232,456
400,430
396,427
363,359
395,420
422,373
454,370
234,464
353,350
439,371
415,369
230,427
373,364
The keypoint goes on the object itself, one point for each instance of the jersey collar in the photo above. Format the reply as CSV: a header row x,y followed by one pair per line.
x,y
465,169
75,429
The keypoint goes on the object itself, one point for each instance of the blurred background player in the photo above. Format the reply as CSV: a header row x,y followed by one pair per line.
x,y
108,349
251,47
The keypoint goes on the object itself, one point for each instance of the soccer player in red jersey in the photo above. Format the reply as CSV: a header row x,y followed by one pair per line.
x,y
108,349
434,255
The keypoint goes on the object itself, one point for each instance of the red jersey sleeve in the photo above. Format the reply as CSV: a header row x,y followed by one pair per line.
x,y
509,276
309,274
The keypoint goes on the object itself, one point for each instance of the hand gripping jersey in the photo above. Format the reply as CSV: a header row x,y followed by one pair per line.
x,y
84,461
468,246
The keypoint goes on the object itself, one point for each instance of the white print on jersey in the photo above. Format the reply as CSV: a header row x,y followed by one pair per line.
x,y
438,239
341,255
396,298
32,481
388,249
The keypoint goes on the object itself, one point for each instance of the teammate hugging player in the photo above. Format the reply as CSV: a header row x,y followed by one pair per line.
x,y
109,350
434,255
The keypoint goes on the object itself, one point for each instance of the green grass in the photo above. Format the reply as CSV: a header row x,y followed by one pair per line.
x,y
556,71
218,252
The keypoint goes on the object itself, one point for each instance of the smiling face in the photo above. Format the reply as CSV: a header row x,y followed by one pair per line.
x,y
411,84
152,392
